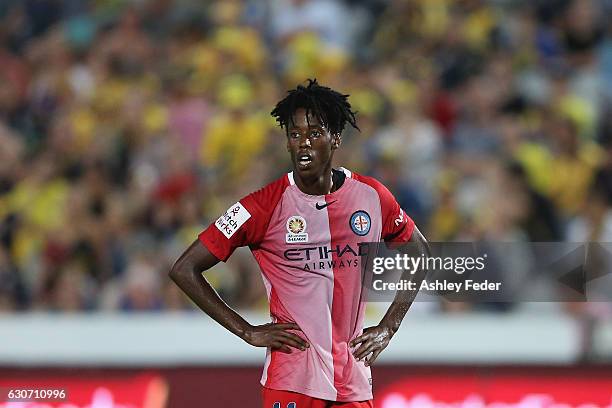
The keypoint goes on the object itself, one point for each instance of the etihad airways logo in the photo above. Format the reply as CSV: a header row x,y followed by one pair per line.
x,y
322,257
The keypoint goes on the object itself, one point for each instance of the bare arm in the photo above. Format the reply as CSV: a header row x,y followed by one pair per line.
x,y
404,298
375,339
187,274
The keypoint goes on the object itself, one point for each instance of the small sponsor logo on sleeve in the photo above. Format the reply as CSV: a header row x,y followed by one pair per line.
x,y
233,218
400,218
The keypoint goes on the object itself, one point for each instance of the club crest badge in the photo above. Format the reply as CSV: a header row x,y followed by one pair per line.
x,y
360,223
296,230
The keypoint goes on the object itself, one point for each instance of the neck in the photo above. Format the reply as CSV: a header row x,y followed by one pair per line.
x,y
317,185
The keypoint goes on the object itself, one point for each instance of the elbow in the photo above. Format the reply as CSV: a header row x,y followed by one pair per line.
x,y
172,274
191,263
175,271
181,270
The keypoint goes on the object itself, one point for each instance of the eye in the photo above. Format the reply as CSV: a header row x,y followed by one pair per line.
x,y
294,135
315,133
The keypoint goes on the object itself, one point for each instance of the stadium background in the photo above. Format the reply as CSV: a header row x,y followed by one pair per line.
x,y
128,126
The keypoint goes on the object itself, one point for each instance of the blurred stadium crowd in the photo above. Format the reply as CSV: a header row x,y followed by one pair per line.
x,y
127,126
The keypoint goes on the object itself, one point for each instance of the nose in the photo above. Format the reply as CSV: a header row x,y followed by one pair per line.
x,y
304,141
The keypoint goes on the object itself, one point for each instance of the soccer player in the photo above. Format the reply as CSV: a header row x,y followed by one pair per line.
x,y
305,231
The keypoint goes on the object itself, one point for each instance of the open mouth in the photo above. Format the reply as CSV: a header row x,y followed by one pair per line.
x,y
304,160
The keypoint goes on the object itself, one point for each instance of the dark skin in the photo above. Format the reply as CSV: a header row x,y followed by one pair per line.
x,y
187,274
312,138
375,339
312,176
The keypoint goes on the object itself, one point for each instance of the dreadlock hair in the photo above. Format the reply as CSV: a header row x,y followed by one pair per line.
x,y
331,108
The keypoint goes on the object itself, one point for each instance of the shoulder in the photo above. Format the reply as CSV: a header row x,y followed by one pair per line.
x,y
267,197
381,189
245,222
273,189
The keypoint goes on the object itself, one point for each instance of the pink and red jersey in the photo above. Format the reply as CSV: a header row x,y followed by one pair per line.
x,y
308,249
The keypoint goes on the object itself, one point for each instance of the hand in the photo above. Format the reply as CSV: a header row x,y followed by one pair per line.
x,y
373,340
275,336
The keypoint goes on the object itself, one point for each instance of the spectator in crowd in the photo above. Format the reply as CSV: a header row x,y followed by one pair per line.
x,y
125,126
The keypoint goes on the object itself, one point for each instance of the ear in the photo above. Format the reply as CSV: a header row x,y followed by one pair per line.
x,y
336,141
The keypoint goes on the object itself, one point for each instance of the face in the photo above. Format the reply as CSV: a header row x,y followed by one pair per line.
x,y
311,145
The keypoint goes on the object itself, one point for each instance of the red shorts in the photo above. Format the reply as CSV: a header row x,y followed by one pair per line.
x,y
287,399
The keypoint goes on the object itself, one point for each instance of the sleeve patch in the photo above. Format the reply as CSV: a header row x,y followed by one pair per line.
x,y
232,220
400,218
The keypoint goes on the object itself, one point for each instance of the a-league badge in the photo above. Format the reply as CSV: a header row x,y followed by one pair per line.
x,y
360,222
296,230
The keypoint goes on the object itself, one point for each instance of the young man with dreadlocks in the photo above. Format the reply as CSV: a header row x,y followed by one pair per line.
x,y
305,231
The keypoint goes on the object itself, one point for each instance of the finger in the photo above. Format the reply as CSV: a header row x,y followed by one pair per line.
x,y
361,349
279,346
300,341
364,350
372,358
286,326
359,339
286,338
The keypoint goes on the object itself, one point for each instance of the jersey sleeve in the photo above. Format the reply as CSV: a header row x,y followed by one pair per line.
x,y
244,223
397,226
